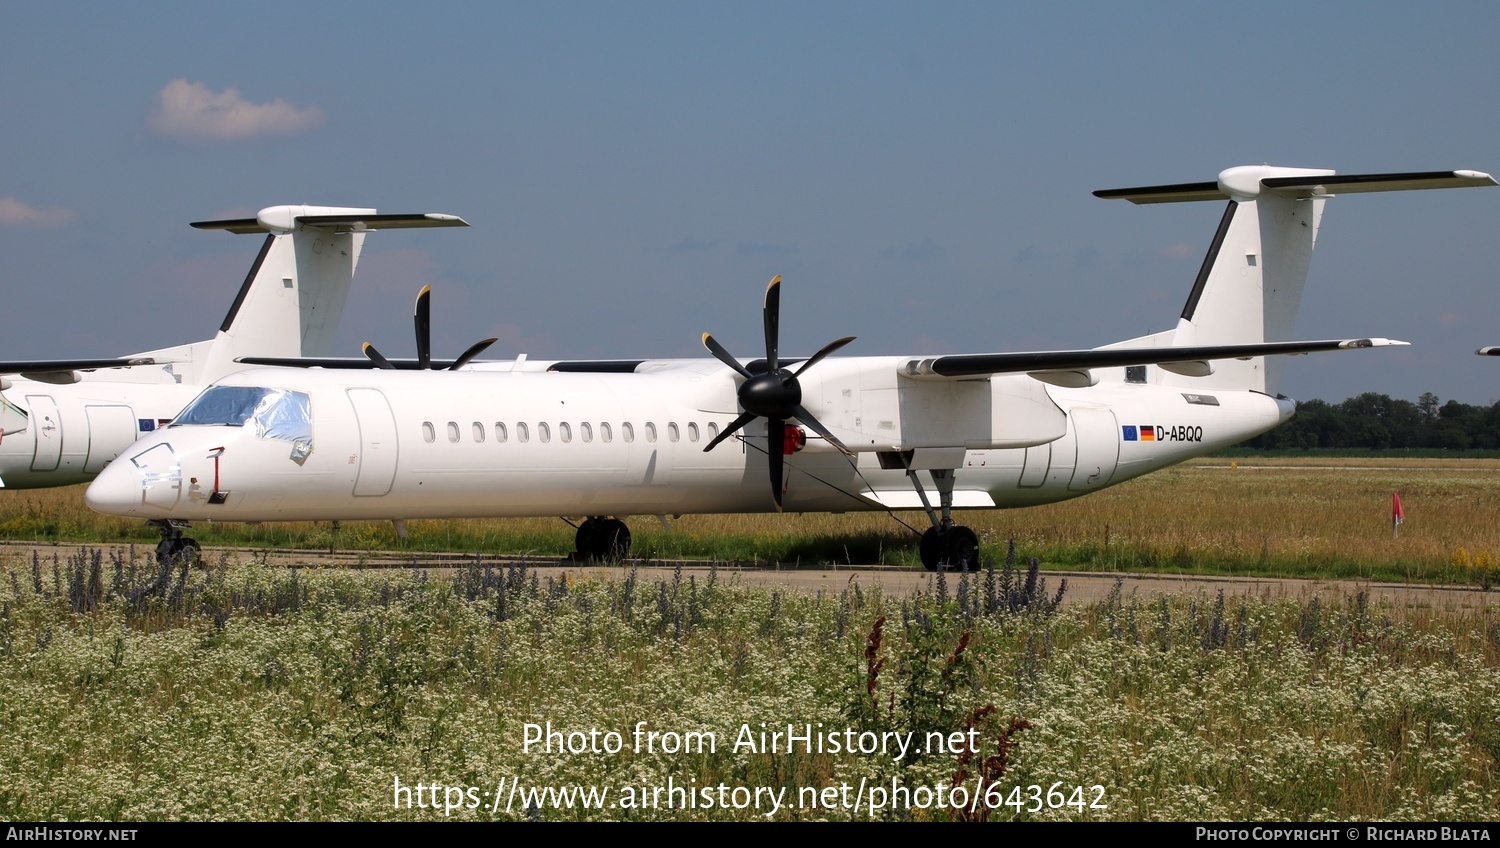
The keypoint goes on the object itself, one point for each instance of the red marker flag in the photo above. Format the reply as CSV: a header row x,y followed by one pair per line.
x,y
1398,514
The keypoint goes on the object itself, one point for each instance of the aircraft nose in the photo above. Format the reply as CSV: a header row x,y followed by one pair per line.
x,y
117,490
145,480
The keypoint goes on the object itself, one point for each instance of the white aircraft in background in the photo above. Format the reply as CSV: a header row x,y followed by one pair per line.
x,y
62,420
599,440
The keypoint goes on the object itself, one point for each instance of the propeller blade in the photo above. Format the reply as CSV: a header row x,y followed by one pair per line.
x,y
745,418
827,349
474,350
375,357
814,425
773,323
723,355
776,438
423,320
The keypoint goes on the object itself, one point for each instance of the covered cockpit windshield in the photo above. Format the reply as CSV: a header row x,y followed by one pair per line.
x,y
271,413
12,418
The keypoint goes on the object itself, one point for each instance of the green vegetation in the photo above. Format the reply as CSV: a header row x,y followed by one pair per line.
x,y
241,692
1322,518
1376,422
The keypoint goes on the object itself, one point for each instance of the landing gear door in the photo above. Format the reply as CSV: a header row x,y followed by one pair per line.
x,y
47,423
377,439
1098,447
1038,460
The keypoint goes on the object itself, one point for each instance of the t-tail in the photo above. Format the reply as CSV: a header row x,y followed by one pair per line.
x,y
1250,285
292,299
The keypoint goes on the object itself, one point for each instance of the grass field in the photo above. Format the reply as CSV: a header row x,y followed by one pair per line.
x,y
1318,517
235,693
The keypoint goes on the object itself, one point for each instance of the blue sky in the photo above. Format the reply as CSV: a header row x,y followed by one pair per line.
x,y
919,174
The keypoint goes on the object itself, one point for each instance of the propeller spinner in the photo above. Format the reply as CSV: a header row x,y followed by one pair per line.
x,y
422,319
775,395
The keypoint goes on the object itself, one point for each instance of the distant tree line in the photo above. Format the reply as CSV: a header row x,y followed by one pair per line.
x,y
1376,422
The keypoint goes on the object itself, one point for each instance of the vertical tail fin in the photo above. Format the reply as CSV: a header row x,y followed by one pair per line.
x,y
291,301
1251,282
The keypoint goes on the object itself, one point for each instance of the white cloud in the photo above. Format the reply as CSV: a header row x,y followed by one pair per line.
x,y
14,213
191,111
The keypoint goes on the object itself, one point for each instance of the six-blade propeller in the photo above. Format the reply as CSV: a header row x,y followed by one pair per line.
x,y
422,318
774,395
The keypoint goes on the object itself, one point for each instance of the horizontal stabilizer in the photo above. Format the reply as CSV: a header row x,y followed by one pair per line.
x,y
973,365
283,219
1249,181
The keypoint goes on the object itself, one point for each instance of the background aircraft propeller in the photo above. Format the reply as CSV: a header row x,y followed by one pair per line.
x,y
422,319
775,395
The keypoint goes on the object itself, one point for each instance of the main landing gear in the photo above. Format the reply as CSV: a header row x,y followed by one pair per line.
x,y
945,544
174,545
601,539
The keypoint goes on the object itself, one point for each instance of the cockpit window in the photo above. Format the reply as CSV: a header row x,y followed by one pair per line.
x,y
12,418
284,415
273,413
229,406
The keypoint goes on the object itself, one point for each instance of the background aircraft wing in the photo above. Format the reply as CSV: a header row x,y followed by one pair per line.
x,y
65,370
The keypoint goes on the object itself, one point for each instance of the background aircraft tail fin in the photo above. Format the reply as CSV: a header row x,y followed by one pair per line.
x,y
292,299
1250,285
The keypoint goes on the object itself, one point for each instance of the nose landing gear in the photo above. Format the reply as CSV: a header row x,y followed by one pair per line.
x,y
174,545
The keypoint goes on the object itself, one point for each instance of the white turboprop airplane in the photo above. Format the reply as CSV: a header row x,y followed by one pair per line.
x,y
62,420
598,440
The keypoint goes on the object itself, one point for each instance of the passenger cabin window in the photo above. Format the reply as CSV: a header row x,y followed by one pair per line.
x,y
429,435
692,432
627,432
713,431
543,432
650,432
672,433
586,432
453,431
478,432
565,432
522,434
604,433
500,434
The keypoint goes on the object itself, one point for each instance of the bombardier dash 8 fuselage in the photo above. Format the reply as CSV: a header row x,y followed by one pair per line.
x,y
598,440
539,443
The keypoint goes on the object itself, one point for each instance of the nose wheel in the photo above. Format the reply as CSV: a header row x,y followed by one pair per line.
x,y
601,539
174,545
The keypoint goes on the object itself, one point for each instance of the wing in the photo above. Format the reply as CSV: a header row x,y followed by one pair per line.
x,y
66,370
1189,361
